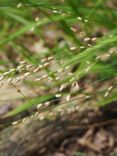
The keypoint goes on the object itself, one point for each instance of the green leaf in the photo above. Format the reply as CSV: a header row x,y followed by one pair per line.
x,y
30,103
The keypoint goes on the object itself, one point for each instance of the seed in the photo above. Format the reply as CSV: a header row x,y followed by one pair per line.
x,y
24,119
77,107
36,114
1,78
6,73
44,76
19,5
70,74
47,103
88,62
98,57
73,29
89,45
36,70
40,66
110,88
76,85
87,69
61,62
39,106
12,70
67,67
58,95
79,18
51,114
20,67
32,116
106,94
15,122
82,47
55,11
107,55
63,86
68,97
32,29
87,39
38,79
50,58
72,48
85,20
87,96
22,62
37,19
22,78
26,74
9,80
94,39
41,117
44,59
28,66
17,79
57,78
46,64
60,70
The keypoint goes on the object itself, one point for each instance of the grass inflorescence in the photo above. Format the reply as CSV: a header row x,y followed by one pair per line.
x,y
63,51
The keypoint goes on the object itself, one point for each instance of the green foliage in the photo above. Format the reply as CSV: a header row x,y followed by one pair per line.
x,y
18,19
31,103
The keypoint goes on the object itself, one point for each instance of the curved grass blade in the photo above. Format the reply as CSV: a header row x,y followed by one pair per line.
x,y
30,104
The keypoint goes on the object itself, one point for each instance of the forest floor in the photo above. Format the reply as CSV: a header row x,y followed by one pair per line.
x,y
99,141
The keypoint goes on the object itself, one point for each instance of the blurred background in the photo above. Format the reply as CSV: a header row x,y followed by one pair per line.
x,y
56,54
